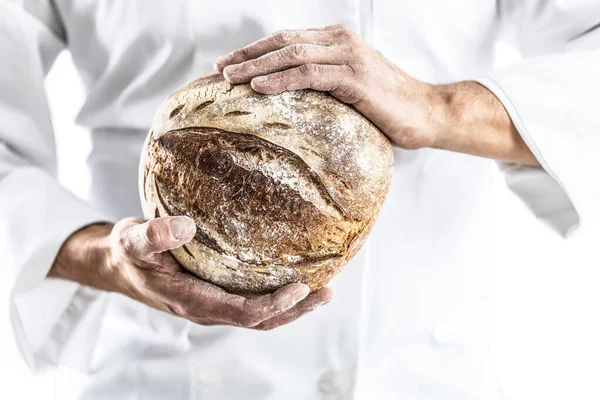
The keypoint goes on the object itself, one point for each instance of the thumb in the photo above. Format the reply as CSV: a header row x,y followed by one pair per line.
x,y
161,234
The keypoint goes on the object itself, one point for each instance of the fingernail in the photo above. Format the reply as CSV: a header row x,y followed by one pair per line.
x,y
182,228
301,293
223,59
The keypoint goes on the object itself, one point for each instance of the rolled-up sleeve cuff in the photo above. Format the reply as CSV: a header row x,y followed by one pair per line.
x,y
543,190
46,314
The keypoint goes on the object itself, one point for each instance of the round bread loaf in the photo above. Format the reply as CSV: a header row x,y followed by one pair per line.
x,y
283,188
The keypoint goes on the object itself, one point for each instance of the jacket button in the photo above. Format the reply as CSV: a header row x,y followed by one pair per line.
x,y
334,382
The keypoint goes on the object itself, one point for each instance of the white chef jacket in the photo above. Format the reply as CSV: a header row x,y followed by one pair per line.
x,y
411,313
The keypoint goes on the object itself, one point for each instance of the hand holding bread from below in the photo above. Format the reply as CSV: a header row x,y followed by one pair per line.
x,y
282,188
131,257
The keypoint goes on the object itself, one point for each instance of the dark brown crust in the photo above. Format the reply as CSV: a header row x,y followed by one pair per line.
x,y
195,170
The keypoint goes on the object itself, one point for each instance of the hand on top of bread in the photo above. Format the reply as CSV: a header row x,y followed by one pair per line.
x,y
336,60
460,116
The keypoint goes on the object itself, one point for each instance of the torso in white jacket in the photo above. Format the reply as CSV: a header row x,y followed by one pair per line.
x,y
411,313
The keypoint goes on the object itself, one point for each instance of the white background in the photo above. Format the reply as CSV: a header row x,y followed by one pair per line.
x,y
547,338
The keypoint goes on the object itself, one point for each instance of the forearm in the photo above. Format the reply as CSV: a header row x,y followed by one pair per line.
x,y
83,258
472,120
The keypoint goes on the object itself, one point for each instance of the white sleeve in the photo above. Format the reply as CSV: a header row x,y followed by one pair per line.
x,y
36,213
552,98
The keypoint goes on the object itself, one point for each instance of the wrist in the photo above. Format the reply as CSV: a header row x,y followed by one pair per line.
x,y
474,121
434,108
85,258
450,112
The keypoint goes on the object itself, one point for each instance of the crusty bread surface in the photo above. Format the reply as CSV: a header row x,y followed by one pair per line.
x,y
283,188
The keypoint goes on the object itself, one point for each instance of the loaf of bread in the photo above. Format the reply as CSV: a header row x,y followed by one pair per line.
x,y
283,188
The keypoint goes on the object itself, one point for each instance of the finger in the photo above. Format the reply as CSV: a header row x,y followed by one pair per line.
x,y
157,235
251,312
326,78
199,301
285,58
310,303
271,43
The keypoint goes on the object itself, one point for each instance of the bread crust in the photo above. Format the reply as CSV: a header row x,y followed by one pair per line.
x,y
283,188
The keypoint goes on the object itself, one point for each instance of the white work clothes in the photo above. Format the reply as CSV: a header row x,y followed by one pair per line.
x,y
411,313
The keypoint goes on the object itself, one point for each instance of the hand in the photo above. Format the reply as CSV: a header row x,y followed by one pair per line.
x,y
336,60
463,116
131,258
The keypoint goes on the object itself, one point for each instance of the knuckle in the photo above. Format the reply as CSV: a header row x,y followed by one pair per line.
x,y
357,72
347,94
244,52
295,51
123,241
309,70
349,90
282,38
154,235
124,244
345,36
345,29
120,236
